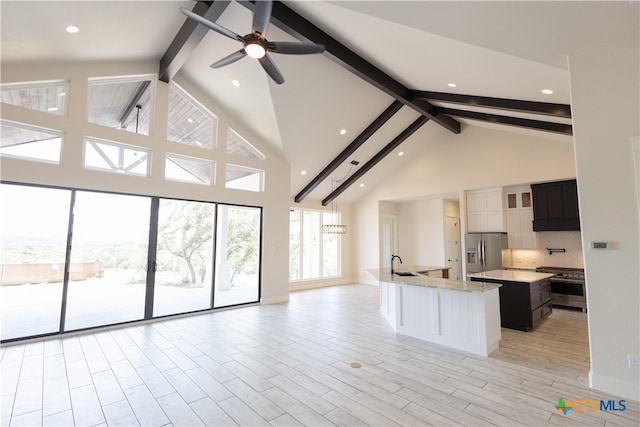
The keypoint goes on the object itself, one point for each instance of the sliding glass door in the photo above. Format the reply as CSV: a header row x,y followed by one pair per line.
x,y
237,255
184,259
74,259
33,237
107,272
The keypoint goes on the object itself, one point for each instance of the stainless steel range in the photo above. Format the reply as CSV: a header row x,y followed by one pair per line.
x,y
567,286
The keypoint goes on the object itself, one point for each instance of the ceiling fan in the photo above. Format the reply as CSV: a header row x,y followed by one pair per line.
x,y
255,43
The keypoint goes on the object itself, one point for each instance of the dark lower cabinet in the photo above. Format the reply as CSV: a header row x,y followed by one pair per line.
x,y
522,305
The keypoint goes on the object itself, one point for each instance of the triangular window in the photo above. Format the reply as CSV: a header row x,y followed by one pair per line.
x,y
239,146
190,122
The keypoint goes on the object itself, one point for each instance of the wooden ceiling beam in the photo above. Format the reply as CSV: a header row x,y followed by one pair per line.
x,y
560,128
188,37
544,108
413,127
350,149
303,30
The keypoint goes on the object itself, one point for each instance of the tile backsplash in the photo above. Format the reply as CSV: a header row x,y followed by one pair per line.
x,y
532,258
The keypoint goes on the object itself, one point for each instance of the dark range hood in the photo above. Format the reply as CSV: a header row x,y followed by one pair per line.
x,y
555,206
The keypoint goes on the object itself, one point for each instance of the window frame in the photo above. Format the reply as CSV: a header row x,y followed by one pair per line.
x,y
199,106
87,139
34,128
320,267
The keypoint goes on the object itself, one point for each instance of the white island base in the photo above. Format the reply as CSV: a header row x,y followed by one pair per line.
x,y
467,320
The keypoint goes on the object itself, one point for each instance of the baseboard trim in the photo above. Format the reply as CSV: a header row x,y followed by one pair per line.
x,y
614,386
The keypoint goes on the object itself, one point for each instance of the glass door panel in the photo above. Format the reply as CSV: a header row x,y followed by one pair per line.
x,y
34,225
237,255
107,273
184,257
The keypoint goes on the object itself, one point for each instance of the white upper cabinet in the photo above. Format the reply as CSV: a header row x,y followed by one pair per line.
x,y
519,217
485,210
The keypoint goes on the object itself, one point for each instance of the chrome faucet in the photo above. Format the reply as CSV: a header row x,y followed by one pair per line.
x,y
392,258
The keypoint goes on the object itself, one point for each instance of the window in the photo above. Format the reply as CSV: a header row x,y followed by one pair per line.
x,y
28,142
33,239
189,122
108,267
116,157
48,97
188,169
184,257
312,254
121,103
237,255
238,146
244,178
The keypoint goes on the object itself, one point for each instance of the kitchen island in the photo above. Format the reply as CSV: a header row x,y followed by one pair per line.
x,y
459,314
525,296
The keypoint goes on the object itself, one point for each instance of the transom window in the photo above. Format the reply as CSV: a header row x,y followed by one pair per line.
x,y
29,142
116,157
244,178
188,169
121,103
48,97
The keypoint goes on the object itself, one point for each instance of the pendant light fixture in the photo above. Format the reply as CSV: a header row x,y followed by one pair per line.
x,y
337,228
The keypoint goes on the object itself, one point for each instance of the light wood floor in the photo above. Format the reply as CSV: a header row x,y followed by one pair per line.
x,y
290,364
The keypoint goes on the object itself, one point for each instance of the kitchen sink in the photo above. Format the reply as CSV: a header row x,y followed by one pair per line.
x,y
405,273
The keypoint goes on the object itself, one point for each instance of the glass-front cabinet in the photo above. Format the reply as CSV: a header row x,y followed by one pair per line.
x,y
519,218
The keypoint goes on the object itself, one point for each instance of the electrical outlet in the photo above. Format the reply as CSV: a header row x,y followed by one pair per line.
x,y
634,362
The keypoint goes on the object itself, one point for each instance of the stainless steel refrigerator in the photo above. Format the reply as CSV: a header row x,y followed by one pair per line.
x,y
483,251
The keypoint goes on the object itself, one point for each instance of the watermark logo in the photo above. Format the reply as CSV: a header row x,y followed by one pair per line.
x,y
585,405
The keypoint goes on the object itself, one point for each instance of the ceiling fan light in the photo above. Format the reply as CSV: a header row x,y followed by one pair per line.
x,y
255,50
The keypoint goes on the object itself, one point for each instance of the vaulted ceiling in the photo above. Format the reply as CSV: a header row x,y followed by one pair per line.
x,y
384,77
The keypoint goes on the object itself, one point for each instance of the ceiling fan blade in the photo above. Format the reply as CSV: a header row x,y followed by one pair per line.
x,y
271,69
229,59
261,16
295,48
211,25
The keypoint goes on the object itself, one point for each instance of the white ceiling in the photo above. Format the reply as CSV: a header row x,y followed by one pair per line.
x,y
498,49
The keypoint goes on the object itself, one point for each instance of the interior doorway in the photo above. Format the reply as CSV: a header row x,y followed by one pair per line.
x,y
389,238
452,247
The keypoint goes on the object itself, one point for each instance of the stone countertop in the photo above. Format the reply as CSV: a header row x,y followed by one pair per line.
x,y
512,275
384,275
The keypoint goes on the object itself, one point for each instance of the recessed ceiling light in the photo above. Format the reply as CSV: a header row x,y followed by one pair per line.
x,y
303,173
452,85
401,153
343,131
547,91
362,185
190,120
235,83
72,29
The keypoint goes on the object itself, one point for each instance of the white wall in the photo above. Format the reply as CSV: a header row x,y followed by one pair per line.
x,y
70,173
606,113
421,232
477,158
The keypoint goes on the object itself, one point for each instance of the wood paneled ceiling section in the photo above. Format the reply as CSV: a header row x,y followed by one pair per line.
x,y
432,106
